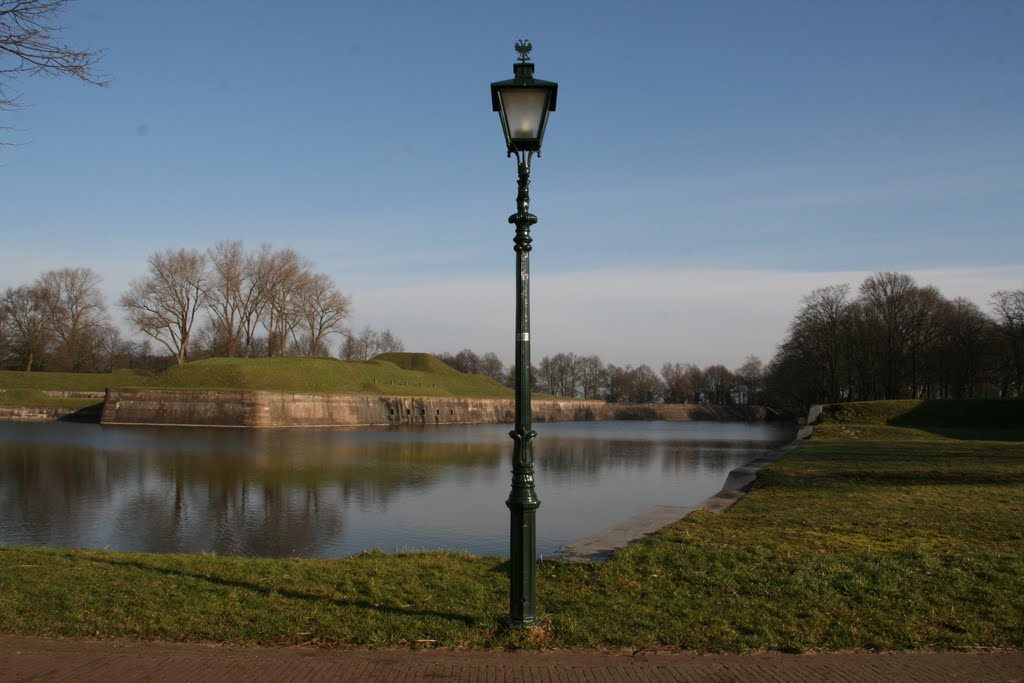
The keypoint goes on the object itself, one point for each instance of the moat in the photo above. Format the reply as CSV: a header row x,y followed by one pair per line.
x,y
337,492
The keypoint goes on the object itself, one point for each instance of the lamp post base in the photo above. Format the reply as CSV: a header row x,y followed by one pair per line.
x,y
523,562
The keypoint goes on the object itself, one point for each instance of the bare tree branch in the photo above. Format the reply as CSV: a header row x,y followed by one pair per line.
x,y
30,45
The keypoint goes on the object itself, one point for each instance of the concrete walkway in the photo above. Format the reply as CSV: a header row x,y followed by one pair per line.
x,y
83,661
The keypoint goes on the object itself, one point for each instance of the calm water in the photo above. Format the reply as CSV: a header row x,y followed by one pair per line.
x,y
331,493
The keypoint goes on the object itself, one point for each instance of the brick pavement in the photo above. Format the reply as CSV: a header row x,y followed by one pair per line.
x,y
36,659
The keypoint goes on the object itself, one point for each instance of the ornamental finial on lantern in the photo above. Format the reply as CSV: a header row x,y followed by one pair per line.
x,y
523,47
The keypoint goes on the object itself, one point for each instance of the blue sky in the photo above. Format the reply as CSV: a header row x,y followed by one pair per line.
x,y
709,162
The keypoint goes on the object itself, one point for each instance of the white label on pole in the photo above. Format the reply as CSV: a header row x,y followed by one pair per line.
x,y
523,336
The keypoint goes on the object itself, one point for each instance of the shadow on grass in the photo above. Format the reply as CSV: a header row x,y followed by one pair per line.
x,y
980,434
968,419
880,477
296,595
976,419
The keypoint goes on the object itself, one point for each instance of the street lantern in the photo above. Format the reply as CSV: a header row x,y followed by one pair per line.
x,y
523,104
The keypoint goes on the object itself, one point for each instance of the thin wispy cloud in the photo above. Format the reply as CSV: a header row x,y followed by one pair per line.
x,y
634,316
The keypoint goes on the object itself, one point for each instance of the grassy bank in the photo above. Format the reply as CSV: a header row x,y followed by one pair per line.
x,y
402,374
38,399
397,374
71,381
27,388
870,536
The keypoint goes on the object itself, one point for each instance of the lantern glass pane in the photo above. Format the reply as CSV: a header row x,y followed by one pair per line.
x,y
524,111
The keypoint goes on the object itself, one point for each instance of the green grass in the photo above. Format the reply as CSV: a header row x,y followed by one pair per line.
x,y
70,381
26,388
395,374
869,536
36,398
418,375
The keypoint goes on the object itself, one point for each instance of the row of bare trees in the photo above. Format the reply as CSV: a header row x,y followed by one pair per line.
x,y
898,339
715,384
59,320
676,383
587,377
233,302
224,301
488,364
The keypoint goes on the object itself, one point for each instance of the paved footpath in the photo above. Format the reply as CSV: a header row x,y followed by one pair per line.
x,y
36,659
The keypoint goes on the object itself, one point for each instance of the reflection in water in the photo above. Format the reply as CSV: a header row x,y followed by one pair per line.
x,y
330,493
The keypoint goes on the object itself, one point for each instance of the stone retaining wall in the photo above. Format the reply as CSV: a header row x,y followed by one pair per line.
x,y
49,414
270,409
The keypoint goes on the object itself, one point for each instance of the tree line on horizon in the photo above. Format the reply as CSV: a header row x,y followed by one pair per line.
x,y
588,377
894,339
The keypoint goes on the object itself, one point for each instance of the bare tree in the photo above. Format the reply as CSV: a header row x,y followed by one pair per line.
x,y
165,303
591,374
267,288
253,299
322,310
28,334
1009,308
633,385
889,296
646,386
29,45
114,351
718,385
922,329
468,361
225,298
750,381
354,346
75,313
5,336
958,361
282,273
821,328
370,343
559,374
905,317
492,366
682,382
615,388
388,342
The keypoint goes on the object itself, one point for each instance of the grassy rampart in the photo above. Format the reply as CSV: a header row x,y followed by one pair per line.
x,y
419,374
27,388
405,374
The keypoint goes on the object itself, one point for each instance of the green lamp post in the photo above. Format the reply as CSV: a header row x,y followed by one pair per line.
x,y
523,103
